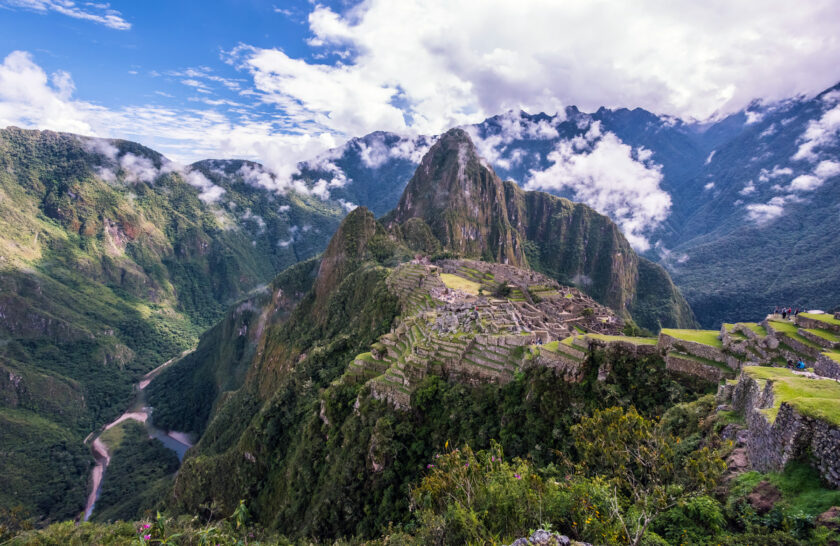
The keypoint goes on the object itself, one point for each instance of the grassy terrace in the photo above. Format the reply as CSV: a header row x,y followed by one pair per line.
x,y
627,339
828,319
454,282
730,330
825,334
817,398
833,355
706,337
701,360
570,342
557,347
755,327
790,330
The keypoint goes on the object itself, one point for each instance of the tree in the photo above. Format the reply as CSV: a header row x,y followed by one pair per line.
x,y
646,473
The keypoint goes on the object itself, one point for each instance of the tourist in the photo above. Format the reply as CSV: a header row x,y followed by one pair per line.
x,y
784,313
790,364
801,365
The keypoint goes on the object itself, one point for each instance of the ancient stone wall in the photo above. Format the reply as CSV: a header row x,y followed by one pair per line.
x,y
677,363
827,367
691,347
771,446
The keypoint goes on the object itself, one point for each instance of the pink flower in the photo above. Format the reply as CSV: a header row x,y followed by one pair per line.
x,y
466,465
147,537
517,476
146,525
430,466
493,459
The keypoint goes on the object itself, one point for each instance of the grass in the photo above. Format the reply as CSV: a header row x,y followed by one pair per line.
x,y
802,490
701,360
790,330
706,337
114,436
817,398
454,282
833,355
825,334
755,327
367,357
627,339
570,342
828,319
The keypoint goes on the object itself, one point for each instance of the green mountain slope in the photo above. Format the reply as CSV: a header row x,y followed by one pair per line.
x,y
344,401
112,261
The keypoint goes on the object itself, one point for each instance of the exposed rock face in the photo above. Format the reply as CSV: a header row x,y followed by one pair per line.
x,y
830,518
546,538
472,213
764,497
771,445
463,202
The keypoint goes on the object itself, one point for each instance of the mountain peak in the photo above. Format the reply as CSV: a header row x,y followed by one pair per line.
x,y
462,200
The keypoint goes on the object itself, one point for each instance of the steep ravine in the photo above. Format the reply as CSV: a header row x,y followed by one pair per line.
x,y
178,442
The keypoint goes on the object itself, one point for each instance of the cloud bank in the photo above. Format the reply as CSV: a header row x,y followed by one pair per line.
x,y
611,177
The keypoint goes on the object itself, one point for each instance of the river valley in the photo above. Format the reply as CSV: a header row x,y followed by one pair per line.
x,y
178,442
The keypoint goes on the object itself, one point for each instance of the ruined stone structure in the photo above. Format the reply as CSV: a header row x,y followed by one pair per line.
x,y
772,443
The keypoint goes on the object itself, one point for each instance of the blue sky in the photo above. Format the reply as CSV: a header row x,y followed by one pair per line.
x,y
283,81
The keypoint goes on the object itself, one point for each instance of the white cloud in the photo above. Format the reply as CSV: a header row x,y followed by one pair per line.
x,y
96,12
711,155
748,189
512,126
764,175
762,213
374,152
605,175
819,133
432,64
208,191
136,169
805,182
708,186
30,98
827,169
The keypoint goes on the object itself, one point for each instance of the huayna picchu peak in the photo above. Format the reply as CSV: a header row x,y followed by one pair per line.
x,y
456,203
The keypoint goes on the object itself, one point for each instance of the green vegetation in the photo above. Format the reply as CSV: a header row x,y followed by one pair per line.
x,y
104,280
454,282
833,355
706,361
138,476
706,337
790,330
817,398
755,327
822,317
626,339
824,334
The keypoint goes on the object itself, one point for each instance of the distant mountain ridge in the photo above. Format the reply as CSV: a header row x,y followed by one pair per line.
x,y
710,228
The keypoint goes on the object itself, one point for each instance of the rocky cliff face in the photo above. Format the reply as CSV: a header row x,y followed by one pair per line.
x,y
463,201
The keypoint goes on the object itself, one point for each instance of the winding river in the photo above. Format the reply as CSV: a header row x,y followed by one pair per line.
x,y
178,442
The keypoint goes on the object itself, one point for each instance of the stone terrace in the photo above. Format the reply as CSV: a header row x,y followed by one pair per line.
x,y
475,336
